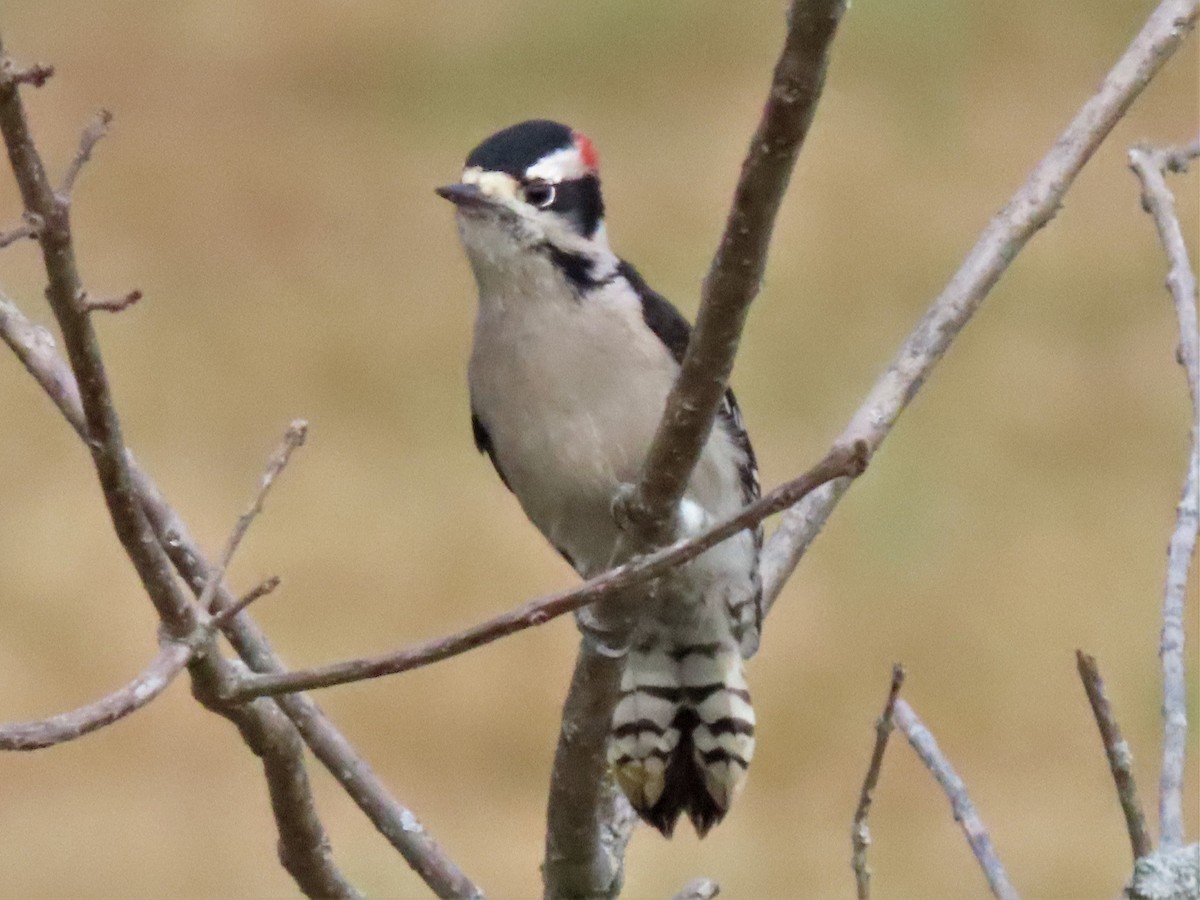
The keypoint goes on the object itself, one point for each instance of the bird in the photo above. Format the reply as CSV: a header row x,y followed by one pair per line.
x,y
572,359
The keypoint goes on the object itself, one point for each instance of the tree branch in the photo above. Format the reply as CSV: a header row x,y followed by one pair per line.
x,y
860,835
29,227
267,586
172,657
922,741
303,848
91,412
35,349
293,438
1150,165
584,859
737,270
109,304
35,75
840,462
591,829
79,338
1120,759
91,136
1031,207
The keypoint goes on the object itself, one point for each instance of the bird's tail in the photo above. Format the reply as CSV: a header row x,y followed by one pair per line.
x,y
683,733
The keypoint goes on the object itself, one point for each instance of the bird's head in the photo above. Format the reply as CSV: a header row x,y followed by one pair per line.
x,y
532,188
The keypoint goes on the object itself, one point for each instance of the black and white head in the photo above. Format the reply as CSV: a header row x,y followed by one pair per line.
x,y
532,191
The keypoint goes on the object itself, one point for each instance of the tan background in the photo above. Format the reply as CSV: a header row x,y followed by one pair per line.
x,y
268,184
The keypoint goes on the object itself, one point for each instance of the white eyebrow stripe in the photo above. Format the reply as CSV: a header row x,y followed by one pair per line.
x,y
493,184
561,165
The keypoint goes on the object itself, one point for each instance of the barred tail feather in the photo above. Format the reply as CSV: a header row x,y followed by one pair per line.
x,y
683,733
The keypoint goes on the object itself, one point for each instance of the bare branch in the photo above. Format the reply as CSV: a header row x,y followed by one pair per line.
x,y
108,304
105,441
264,587
30,226
35,75
1120,759
922,741
840,462
589,821
390,817
303,846
91,136
737,270
293,438
131,496
1178,159
860,835
699,889
1149,166
586,827
1031,207
171,660
35,348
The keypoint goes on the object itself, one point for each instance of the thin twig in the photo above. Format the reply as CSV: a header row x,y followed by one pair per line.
x,y
304,845
35,349
1149,165
35,75
264,587
840,462
108,304
1179,159
91,136
105,440
29,228
1031,207
860,835
923,742
153,680
1120,759
293,438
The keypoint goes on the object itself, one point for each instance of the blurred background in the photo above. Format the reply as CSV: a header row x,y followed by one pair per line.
x,y
268,185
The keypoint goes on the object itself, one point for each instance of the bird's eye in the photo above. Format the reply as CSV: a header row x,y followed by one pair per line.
x,y
539,194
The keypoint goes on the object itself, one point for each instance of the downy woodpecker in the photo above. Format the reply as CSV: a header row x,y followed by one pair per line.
x,y
572,361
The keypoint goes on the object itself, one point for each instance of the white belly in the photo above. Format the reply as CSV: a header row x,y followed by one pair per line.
x,y
571,412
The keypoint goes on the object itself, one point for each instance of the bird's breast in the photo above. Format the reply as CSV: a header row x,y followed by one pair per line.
x,y
571,391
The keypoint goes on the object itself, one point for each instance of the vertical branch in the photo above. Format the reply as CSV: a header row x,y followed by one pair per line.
x,y
860,835
1157,199
588,822
65,293
737,269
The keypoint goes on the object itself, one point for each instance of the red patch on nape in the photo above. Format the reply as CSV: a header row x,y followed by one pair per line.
x,y
587,152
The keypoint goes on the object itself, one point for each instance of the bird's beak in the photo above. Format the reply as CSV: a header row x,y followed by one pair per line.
x,y
463,194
